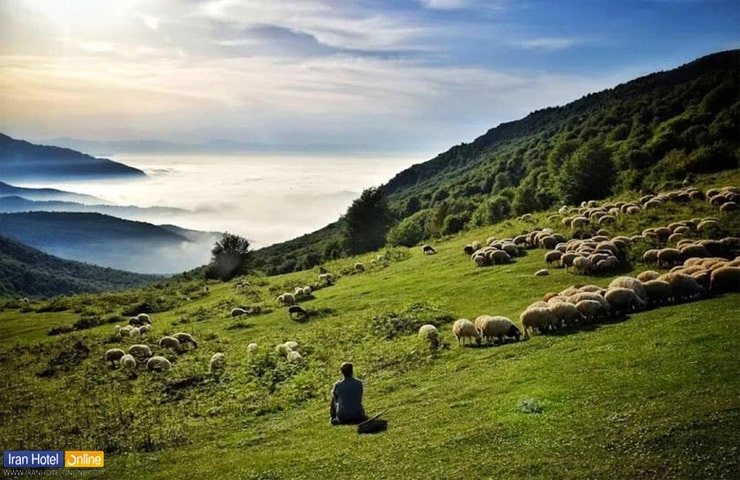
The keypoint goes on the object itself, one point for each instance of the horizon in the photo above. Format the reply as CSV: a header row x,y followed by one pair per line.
x,y
319,77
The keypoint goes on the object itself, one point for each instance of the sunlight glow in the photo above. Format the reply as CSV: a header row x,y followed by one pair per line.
x,y
78,13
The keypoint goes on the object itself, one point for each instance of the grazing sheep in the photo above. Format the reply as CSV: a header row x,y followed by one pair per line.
x,y
648,275
553,256
543,272
236,312
282,349
128,361
294,356
145,329
307,291
564,312
725,279
540,318
497,327
159,364
464,328
140,351
144,318
669,257
684,287
659,292
499,257
624,299
468,249
632,284
116,329
286,299
114,355
430,334
298,311
170,342
589,309
359,267
582,265
217,365
650,257
252,347
327,278
135,332
125,331
428,250
185,338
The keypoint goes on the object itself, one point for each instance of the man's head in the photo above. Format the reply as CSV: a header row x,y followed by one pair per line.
x,y
346,369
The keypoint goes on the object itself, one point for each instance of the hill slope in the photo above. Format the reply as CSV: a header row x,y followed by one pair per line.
x,y
650,394
24,160
109,241
646,134
25,271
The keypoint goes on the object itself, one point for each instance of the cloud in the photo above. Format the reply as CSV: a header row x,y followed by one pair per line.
x,y
548,44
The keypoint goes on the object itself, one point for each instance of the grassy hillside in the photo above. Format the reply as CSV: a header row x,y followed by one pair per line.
x,y
649,395
25,271
648,134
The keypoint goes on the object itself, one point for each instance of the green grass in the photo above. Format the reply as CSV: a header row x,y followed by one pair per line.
x,y
651,396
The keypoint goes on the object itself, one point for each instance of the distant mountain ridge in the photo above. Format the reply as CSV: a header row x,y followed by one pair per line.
x,y
109,241
23,160
15,204
26,271
48,194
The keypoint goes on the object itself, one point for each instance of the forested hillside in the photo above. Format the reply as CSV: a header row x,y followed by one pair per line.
x,y
25,271
651,133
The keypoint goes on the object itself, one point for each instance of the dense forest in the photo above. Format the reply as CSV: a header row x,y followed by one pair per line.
x,y
651,133
25,271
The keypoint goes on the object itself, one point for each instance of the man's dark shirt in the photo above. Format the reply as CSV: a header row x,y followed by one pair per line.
x,y
347,395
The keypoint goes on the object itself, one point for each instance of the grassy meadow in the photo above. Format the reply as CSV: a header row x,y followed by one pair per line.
x,y
654,395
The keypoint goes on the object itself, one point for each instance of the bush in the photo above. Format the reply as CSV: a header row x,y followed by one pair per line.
x,y
411,230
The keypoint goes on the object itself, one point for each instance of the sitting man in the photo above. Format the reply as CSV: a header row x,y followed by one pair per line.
x,y
346,399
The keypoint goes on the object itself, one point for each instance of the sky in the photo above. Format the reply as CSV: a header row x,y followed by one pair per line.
x,y
388,75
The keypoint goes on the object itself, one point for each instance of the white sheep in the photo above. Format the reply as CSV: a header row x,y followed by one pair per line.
x,y
146,328
543,272
217,365
589,309
282,349
327,278
125,331
497,327
170,342
252,347
158,363
128,361
564,312
307,290
185,338
659,291
632,284
430,334
140,350
135,331
116,329
539,318
286,299
114,355
291,344
624,300
359,267
464,328
144,318
294,356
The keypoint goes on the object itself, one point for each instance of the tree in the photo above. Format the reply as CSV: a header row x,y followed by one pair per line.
x,y
587,174
366,222
229,257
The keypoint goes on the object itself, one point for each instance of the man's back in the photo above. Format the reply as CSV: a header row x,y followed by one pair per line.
x,y
347,394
